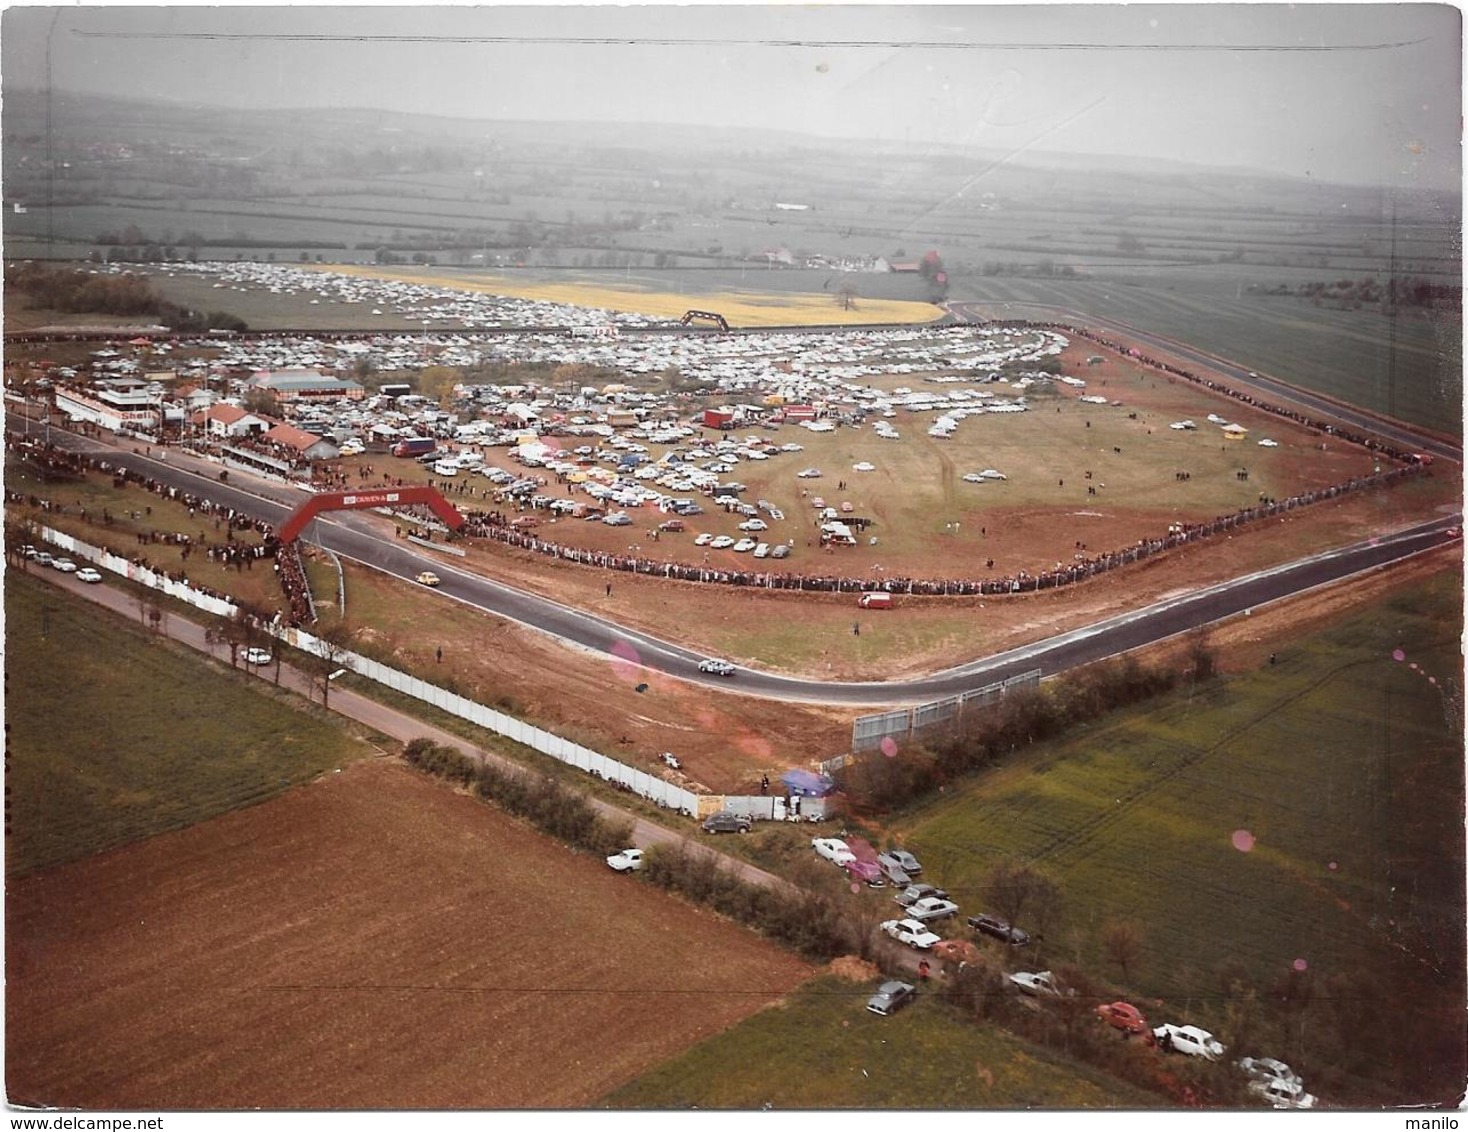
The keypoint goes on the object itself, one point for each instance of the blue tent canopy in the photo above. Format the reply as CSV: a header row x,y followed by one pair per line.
x,y
808,783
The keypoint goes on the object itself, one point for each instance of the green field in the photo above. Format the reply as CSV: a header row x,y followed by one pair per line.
x,y
1409,367
114,736
1308,811
821,1049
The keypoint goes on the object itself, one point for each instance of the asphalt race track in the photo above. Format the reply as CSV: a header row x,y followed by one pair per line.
x,y
350,537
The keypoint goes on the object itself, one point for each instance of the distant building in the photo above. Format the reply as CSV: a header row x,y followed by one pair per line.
x,y
115,403
305,444
304,385
230,421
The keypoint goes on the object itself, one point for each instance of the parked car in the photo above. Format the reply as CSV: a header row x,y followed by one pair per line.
x,y
1124,1016
627,861
903,860
703,539
1283,1094
65,565
1267,1069
726,821
723,542
931,908
894,874
891,997
428,578
1036,983
744,545
717,667
809,474
762,550
780,550
999,929
865,871
88,574
833,849
915,892
42,558
258,656
911,932
754,525
1189,1040
673,525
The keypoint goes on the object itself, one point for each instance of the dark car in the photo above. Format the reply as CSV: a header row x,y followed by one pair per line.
x,y
915,892
891,997
726,821
999,929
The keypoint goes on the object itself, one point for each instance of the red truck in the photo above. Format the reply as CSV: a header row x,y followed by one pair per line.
x,y
414,446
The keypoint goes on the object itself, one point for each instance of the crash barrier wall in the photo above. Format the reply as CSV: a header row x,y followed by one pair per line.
x,y
661,793
768,807
868,731
155,579
649,786
442,548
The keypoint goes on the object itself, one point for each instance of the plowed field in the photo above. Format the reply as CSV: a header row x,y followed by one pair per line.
x,y
369,941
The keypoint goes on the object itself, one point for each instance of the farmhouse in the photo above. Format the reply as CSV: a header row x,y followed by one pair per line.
x,y
231,421
304,444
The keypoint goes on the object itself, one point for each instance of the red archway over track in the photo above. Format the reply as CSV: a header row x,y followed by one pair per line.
x,y
372,497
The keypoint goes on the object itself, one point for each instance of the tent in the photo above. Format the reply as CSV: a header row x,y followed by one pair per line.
x,y
808,783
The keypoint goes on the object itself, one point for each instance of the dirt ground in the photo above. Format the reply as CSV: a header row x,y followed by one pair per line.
x,y
726,741
362,942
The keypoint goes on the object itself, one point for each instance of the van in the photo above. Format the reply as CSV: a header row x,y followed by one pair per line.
x,y
875,601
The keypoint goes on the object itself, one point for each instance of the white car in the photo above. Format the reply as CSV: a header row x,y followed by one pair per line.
x,y
809,474
744,545
723,542
1283,1094
912,933
257,656
972,477
717,667
65,565
1189,1040
87,574
1267,1069
762,550
864,466
1036,982
930,908
627,861
833,849
754,525
703,539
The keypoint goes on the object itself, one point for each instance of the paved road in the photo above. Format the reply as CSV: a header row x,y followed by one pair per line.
x,y
354,536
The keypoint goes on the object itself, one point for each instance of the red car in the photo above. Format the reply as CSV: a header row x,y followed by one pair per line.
x,y
1124,1016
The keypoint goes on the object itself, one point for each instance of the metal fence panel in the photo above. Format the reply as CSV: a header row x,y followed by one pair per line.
x,y
939,711
868,731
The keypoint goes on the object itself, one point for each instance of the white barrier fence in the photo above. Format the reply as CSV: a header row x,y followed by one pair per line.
x,y
117,564
649,786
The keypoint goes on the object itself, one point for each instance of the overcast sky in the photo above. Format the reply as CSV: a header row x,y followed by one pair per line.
x,y
1349,92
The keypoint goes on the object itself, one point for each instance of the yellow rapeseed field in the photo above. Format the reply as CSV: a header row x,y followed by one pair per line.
x,y
740,308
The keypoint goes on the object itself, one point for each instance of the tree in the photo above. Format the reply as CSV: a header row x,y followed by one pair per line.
x,y
1122,940
335,642
846,296
1015,888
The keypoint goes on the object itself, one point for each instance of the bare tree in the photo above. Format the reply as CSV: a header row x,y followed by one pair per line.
x,y
1015,889
1122,940
846,296
335,640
